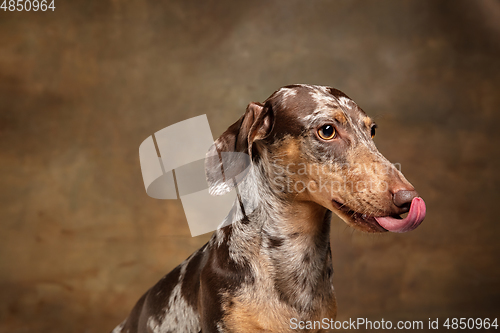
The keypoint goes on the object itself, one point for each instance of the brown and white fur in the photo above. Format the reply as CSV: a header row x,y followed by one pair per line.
x,y
271,261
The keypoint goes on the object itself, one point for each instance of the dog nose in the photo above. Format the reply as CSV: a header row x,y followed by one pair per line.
x,y
403,198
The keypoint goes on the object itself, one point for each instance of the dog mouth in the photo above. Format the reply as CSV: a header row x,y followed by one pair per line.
x,y
393,223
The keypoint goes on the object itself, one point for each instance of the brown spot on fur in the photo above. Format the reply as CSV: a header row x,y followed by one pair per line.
x,y
368,122
340,117
250,316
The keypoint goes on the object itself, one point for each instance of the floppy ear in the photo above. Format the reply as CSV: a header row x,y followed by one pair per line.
x,y
229,158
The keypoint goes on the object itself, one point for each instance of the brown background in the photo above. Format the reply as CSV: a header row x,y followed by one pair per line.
x,y
81,87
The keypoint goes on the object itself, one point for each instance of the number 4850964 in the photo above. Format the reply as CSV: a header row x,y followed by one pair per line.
x,y
27,5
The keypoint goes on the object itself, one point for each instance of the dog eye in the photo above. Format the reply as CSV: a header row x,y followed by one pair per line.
x,y
327,132
373,130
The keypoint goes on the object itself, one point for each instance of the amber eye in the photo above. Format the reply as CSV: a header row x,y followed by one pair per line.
x,y
373,130
327,132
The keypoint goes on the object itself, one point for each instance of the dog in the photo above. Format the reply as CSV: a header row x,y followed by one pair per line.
x,y
311,153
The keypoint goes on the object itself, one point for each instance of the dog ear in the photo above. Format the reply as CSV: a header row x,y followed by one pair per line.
x,y
228,160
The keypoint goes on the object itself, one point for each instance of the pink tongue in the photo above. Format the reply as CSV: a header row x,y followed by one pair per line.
x,y
415,216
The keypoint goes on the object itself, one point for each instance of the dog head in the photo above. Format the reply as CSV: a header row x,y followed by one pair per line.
x,y
316,144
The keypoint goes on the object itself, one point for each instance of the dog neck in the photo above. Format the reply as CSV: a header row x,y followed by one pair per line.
x,y
286,241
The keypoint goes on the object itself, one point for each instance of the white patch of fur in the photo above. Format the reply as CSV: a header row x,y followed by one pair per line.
x,y
309,118
321,97
118,329
219,188
287,93
344,102
324,101
179,315
217,238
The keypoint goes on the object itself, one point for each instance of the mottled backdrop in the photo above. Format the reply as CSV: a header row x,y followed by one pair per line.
x,y
81,87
